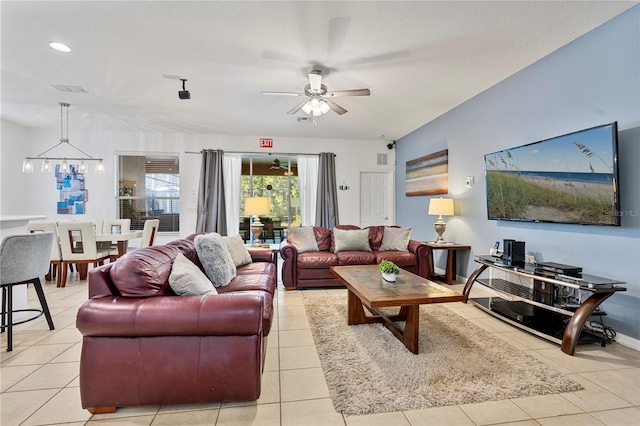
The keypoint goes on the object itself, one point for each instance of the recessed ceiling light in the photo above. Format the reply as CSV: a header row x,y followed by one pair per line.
x,y
60,47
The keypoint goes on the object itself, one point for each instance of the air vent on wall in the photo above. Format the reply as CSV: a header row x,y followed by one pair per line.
x,y
382,160
69,89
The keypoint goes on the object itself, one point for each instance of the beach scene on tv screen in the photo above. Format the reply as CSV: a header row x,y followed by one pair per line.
x,y
568,179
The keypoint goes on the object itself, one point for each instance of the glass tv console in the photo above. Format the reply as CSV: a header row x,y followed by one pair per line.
x,y
548,304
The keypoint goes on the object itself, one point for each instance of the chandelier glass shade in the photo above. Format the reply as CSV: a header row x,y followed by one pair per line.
x,y
47,167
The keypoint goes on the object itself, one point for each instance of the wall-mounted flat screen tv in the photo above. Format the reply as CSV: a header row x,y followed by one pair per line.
x,y
571,178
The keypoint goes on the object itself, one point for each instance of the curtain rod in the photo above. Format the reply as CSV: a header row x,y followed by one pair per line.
x,y
257,153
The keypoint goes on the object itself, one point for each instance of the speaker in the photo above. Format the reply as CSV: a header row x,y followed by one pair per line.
x,y
513,253
184,94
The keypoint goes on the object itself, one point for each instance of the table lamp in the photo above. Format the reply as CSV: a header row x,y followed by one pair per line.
x,y
441,207
256,206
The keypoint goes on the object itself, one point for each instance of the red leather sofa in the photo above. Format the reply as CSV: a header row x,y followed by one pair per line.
x,y
143,345
311,269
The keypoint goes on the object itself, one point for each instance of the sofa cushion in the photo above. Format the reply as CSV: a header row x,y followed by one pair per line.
x,y
355,258
186,279
318,259
395,239
238,250
256,268
144,272
351,240
332,236
188,248
400,258
303,238
215,258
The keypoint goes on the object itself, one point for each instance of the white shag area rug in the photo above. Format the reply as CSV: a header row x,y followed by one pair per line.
x,y
369,371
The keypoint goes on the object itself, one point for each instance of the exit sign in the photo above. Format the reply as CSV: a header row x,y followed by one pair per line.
x,y
266,143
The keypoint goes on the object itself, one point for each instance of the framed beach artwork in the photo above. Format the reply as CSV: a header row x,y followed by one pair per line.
x,y
70,186
428,175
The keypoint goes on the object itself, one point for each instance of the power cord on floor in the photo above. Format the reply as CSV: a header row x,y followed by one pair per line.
x,y
598,328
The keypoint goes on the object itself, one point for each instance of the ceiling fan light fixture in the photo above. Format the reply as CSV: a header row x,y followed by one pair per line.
x,y
307,108
324,107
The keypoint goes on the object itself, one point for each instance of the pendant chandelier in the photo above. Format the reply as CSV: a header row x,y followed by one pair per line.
x,y
46,167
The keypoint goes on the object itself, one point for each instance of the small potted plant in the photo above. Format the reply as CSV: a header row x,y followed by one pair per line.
x,y
389,270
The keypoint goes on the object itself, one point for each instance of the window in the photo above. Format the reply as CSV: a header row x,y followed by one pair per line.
x,y
276,179
149,188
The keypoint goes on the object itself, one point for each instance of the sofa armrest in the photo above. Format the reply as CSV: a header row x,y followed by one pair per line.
x,y
100,284
222,314
420,250
260,255
289,255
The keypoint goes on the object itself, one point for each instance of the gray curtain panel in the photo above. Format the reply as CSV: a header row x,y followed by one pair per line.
x,y
211,207
327,204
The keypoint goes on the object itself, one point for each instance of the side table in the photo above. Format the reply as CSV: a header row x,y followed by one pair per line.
x,y
450,270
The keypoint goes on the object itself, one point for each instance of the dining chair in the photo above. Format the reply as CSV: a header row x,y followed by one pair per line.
x,y
116,226
23,260
55,267
149,231
78,245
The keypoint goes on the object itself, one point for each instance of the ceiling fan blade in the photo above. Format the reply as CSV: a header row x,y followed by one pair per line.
x,y
283,93
353,92
335,107
297,107
315,80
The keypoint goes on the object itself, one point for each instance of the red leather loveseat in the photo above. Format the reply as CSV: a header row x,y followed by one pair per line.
x,y
143,345
311,269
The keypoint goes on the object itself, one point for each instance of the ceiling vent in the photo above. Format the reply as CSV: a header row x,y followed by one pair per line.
x,y
69,89
382,160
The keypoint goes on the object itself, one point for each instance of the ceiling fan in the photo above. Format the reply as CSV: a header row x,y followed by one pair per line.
x,y
277,165
318,100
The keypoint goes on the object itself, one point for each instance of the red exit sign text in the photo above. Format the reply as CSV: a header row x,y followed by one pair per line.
x,y
266,143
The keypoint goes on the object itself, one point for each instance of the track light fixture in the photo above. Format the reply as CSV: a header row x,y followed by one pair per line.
x,y
184,93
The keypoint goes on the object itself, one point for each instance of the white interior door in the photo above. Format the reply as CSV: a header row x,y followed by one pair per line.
x,y
376,199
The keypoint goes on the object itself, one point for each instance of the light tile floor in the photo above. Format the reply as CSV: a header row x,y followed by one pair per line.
x,y
40,386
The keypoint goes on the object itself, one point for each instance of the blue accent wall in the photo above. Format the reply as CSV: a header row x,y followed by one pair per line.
x,y
591,81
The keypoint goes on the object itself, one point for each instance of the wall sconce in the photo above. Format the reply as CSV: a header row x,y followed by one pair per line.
x,y
343,187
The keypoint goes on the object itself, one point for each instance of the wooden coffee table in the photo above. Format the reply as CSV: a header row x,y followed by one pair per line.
x,y
366,287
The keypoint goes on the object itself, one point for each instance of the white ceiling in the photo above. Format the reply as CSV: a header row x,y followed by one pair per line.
x,y
419,59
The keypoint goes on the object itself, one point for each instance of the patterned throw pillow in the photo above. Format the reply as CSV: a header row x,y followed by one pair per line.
x,y
351,240
238,250
215,258
186,279
303,238
395,239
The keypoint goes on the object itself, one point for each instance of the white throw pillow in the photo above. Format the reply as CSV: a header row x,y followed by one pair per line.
x,y
215,258
186,279
395,239
303,238
351,240
238,250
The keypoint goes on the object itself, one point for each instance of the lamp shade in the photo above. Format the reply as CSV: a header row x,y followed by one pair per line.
x,y
255,206
441,206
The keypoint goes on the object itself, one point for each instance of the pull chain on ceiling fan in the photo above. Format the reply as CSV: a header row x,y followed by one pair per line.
x,y
318,102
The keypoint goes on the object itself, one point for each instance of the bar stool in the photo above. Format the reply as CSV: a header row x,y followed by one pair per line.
x,y
23,260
